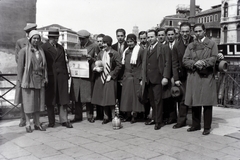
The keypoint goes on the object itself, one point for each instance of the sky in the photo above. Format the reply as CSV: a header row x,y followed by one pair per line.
x,y
105,16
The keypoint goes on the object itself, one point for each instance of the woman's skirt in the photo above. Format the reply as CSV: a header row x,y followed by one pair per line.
x,y
33,100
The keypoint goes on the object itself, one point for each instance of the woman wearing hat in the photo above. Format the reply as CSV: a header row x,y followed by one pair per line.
x,y
107,68
31,79
132,61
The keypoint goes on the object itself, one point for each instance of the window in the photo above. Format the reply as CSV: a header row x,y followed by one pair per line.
x,y
238,8
205,19
225,34
225,10
215,17
208,19
238,32
199,20
202,20
211,18
170,23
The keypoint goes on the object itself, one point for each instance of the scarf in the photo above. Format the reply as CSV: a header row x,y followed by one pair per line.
x,y
134,56
28,61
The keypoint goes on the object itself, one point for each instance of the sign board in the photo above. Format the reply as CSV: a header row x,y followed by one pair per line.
x,y
78,63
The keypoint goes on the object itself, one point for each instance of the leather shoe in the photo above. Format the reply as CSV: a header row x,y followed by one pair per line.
x,y
67,124
40,128
133,120
176,126
22,123
206,132
91,120
75,120
105,121
150,122
171,121
28,129
158,126
191,129
51,125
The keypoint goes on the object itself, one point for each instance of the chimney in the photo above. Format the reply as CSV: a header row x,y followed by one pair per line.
x,y
192,12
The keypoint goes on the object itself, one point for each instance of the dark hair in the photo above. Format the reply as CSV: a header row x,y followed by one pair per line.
x,y
170,29
199,25
100,35
121,30
153,30
141,33
160,29
185,24
132,37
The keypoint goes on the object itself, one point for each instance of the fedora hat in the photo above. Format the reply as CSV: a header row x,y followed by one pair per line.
x,y
53,32
176,91
29,27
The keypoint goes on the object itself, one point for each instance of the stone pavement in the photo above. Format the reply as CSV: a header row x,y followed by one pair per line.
x,y
134,141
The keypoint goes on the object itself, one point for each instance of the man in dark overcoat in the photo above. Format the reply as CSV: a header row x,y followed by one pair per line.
x,y
199,59
180,72
21,43
57,87
155,76
81,88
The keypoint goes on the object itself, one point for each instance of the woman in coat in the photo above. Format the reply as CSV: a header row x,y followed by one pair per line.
x,y
132,61
107,68
199,59
31,79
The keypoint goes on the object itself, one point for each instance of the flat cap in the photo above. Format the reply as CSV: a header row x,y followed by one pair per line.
x,y
30,26
83,34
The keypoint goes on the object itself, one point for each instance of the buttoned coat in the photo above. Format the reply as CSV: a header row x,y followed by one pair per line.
x,y
201,87
115,47
21,43
82,87
164,67
57,73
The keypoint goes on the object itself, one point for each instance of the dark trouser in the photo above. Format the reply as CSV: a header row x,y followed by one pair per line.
x,y
106,110
207,116
49,96
169,109
99,111
147,107
183,111
79,109
155,94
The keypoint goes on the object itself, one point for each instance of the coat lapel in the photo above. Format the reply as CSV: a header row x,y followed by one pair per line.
x,y
52,51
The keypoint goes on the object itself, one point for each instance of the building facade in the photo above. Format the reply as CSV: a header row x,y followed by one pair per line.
x,y
68,38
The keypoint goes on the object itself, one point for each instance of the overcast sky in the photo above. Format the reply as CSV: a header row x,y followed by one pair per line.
x,y
105,16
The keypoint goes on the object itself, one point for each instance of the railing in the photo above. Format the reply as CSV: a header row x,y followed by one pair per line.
x,y
229,89
6,86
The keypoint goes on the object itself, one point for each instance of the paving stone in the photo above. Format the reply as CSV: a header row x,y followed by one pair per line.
x,y
235,135
229,157
210,145
137,141
163,157
100,138
172,142
42,151
205,151
224,129
116,143
58,157
118,155
61,135
219,139
15,154
31,157
236,144
231,151
8,146
47,138
189,155
76,152
60,145
79,140
140,152
98,147
25,141
94,157
121,136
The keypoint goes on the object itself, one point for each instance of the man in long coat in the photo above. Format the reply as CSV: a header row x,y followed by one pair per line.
x,y
57,88
180,72
81,88
21,43
155,76
199,59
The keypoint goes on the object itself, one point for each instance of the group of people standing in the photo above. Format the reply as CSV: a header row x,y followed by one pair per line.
x,y
139,76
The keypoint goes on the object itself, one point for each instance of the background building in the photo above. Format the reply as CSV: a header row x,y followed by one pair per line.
x,y
68,38
14,14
